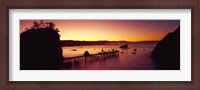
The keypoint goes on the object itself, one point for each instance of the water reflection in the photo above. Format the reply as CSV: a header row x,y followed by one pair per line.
x,y
136,57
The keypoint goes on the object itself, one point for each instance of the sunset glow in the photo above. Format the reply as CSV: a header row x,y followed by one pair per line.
x,y
111,30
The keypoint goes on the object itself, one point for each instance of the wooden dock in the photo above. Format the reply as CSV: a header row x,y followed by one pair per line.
x,y
70,61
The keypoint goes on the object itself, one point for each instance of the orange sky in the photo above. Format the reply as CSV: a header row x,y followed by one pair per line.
x,y
112,30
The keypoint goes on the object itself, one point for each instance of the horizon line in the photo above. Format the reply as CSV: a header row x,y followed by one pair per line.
x,y
115,41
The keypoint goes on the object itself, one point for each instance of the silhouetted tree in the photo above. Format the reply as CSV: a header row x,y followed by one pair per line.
x,y
42,24
35,25
52,25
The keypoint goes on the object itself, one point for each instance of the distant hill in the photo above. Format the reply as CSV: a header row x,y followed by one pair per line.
x,y
40,49
167,52
82,43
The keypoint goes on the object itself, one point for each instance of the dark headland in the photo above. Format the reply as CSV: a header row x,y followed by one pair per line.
x,y
40,49
167,52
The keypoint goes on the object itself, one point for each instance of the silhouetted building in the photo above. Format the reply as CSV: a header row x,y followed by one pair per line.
x,y
86,54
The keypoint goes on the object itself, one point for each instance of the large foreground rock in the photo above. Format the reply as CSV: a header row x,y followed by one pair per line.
x,y
40,49
167,52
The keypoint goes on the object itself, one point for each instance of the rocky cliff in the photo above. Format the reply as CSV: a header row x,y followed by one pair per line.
x,y
167,52
40,49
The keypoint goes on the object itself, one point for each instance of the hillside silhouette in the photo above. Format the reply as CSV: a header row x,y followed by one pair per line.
x,y
40,49
82,43
167,52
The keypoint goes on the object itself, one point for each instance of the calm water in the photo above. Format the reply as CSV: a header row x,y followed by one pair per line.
x,y
125,61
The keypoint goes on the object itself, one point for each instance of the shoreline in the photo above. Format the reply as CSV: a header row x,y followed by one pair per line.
x,y
71,44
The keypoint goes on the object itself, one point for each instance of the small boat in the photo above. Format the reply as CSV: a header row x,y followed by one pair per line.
x,y
133,53
73,50
124,46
